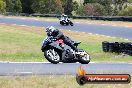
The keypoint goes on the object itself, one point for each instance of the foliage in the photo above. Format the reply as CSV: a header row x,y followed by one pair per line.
x,y
107,6
75,5
13,6
94,9
47,6
2,6
26,6
112,7
90,7
68,7
59,7
80,11
90,1
118,5
126,12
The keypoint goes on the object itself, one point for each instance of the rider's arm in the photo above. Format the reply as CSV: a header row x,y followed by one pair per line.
x,y
59,34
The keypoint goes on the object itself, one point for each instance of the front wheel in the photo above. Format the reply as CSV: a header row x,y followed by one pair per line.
x,y
52,56
71,24
84,59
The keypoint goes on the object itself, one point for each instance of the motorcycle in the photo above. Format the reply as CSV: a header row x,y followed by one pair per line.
x,y
56,51
66,21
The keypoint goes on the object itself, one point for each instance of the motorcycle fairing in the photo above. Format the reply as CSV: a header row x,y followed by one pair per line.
x,y
56,45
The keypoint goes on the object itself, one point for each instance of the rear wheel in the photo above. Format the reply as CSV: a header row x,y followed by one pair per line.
x,y
52,56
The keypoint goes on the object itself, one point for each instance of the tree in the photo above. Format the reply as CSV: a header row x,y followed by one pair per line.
x,y
94,9
68,7
41,6
107,6
75,5
59,8
14,6
80,11
90,1
118,5
2,6
105,3
26,6
126,12
47,6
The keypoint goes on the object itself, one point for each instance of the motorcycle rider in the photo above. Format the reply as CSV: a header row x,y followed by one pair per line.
x,y
64,17
51,31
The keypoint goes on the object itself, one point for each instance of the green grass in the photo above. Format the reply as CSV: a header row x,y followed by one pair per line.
x,y
19,45
51,82
24,44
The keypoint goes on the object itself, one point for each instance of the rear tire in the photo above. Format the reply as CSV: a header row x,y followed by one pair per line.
x,y
50,57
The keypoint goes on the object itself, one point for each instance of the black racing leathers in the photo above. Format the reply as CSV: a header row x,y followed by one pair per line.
x,y
59,35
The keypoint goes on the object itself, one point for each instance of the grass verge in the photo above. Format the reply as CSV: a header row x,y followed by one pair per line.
x,y
23,43
51,82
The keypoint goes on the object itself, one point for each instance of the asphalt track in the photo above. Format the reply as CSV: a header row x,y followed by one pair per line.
x,y
40,68
36,68
113,31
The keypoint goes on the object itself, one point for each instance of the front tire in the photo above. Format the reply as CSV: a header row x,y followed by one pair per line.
x,y
85,59
71,24
52,56
61,23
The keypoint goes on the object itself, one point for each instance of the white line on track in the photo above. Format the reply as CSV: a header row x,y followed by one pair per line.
x,y
126,39
23,18
59,63
24,62
2,23
24,72
97,34
103,24
24,25
36,19
77,22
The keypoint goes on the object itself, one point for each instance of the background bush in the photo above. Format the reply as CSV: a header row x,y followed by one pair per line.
x,y
2,6
88,8
94,9
14,6
126,12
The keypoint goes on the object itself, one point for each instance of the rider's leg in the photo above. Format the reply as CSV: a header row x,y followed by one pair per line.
x,y
69,42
